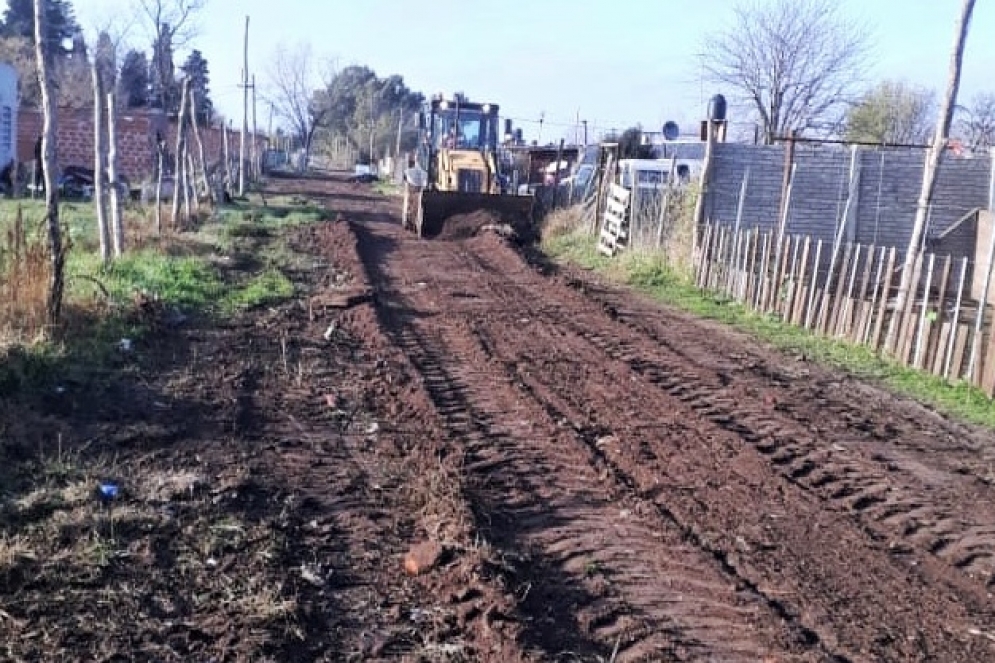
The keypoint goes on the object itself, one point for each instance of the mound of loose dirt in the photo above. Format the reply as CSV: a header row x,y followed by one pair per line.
x,y
463,226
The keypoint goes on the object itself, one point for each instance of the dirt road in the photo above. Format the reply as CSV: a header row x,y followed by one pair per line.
x,y
445,451
676,492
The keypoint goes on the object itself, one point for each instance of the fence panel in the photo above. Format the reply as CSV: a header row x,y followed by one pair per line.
x,y
854,299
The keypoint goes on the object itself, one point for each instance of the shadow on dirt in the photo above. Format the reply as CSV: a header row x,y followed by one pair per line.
x,y
547,596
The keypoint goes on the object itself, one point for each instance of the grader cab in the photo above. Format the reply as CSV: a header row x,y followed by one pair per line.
x,y
456,170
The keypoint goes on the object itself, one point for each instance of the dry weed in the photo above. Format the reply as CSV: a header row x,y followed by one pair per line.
x,y
562,222
24,280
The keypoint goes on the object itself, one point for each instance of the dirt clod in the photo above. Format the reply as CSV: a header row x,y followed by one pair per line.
x,y
422,558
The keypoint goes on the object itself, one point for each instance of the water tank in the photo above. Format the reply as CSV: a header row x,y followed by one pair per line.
x,y
717,108
8,114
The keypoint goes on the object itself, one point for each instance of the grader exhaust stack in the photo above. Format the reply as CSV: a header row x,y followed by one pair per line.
x,y
457,172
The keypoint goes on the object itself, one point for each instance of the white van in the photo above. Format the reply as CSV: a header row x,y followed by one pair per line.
x,y
651,173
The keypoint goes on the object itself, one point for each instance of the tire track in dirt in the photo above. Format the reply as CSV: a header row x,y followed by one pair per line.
x,y
869,468
540,485
578,402
823,571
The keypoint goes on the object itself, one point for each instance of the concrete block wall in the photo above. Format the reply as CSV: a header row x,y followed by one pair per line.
x,y
887,185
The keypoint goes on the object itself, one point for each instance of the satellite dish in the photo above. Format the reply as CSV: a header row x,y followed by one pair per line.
x,y
671,131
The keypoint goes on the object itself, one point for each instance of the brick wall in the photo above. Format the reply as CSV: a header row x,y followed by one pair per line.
x,y
887,186
136,133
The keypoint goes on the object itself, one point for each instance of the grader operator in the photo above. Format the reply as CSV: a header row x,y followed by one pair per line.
x,y
456,169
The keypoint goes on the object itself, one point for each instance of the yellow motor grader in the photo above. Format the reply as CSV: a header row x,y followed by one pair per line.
x,y
456,170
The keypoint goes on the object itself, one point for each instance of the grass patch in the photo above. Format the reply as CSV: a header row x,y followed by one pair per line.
x,y
652,274
269,287
235,261
185,281
386,188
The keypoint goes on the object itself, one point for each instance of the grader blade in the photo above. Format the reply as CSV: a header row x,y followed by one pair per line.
x,y
441,209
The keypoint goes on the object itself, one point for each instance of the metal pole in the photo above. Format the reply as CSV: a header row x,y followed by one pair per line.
x,y
245,110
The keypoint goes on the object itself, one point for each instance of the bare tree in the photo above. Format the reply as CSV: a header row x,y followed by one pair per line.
x,y
173,17
171,25
49,163
977,121
933,158
294,84
793,63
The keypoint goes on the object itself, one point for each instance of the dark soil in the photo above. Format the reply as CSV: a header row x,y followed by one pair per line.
x,y
466,455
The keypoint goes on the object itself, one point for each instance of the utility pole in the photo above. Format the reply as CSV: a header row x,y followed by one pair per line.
x,y
245,110
585,133
400,128
255,134
906,288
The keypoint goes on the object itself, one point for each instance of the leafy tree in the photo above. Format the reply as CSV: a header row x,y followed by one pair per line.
x,y
793,63
894,113
630,145
60,23
196,68
360,106
133,80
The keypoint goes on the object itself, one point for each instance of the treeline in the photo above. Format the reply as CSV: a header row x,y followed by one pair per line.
x,y
143,77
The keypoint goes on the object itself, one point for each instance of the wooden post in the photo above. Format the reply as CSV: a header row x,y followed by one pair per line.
x,y
49,157
802,289
786,177
160,159
188,182
117,223
742,195
665,202
255,135
706,171
814,286
845,323
178,157
195,125
985,287
245,111
225,135
920,345
905,328
744,265
932,165
751,270
703,259
889,276
733,262
99,176
838,293
761,285
860,302
932,350
777,301
868,324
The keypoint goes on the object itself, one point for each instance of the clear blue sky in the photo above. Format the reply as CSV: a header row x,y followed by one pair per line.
x,y
615,63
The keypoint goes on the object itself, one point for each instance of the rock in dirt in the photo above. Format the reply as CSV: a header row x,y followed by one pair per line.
x,y
422,558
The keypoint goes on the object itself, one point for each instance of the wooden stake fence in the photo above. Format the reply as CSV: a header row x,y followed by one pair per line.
x,y
852,297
